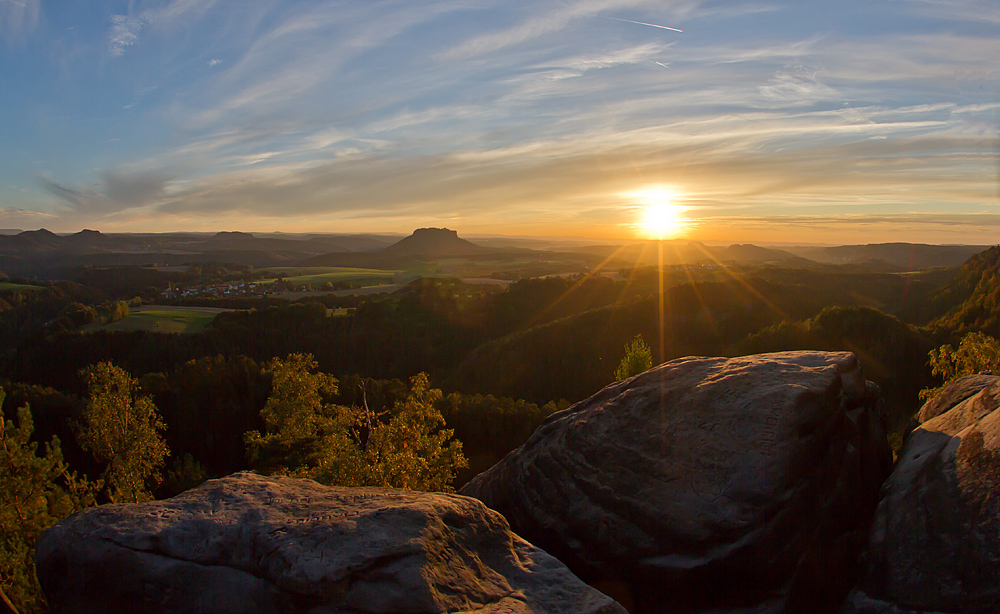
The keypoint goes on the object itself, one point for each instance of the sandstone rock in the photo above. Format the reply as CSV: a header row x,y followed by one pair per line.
x,y
248,543
707,484
955,393
935,541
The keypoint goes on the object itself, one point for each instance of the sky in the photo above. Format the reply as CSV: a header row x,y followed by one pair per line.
x,y
801,121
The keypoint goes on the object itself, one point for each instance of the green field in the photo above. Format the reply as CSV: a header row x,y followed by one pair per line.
x,y
6,285
162,320
318,275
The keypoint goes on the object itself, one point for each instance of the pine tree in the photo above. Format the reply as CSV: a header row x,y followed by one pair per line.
x,y
36,491
638,358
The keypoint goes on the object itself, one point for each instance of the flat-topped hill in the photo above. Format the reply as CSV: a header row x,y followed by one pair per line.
x,y
434,242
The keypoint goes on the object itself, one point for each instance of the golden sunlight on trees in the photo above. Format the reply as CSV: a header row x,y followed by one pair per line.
x,y
118,311
123,429
976,352
305,436
36,491
638,358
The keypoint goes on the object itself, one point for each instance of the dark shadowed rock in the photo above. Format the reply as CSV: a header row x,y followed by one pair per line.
x,y
935,541
707,484
248,543
956,392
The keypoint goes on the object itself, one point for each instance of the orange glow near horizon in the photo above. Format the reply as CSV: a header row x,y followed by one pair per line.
x,y
661,216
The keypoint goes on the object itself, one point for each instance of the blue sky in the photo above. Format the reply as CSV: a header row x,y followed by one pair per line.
x,y
799,121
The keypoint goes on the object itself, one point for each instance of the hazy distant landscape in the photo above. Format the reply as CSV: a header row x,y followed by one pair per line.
x,y
544,325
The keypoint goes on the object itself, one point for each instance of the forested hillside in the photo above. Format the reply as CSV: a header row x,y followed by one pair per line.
x,y
505,353
973,297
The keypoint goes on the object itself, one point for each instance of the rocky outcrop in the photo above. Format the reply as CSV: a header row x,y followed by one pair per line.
x,y
248,543
935,542
707,484
956,392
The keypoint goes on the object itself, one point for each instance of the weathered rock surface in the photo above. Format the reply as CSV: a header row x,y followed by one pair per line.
x,y
247,543
956,392
935,541
707,484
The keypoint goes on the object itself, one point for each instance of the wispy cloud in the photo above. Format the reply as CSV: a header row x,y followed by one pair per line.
x,y
547,174
798,85
303,54
18,18
126,29
118,190
536,27
972,11
617,57
15,217
124,32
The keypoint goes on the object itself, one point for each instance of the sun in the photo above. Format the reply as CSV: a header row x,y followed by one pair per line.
x,y
661,217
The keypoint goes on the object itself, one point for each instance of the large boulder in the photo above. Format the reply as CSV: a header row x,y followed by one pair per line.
x,y
956,392
935,541
707,484
248,543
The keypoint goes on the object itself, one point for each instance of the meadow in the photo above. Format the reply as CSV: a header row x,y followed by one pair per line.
x,y
162,319
316,276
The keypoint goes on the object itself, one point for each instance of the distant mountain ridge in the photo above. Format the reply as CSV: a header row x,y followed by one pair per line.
x,y
877,256
907,256
672,253
43,253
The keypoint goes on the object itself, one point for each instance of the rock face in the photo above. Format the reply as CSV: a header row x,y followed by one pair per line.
x,y
707,484
956,392
248,543
935,541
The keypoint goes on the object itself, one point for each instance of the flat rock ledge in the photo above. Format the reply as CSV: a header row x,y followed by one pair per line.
x,y
248,543
716,485
935,541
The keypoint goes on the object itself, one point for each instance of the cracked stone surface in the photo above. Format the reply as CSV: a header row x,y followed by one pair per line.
x,y
707,484
248,543
935,542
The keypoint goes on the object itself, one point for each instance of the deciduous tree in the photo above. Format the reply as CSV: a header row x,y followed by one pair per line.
x,y
122,428
976,352
307,436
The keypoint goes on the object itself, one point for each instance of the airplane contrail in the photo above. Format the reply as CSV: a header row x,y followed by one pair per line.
x,y
662,64
643,23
